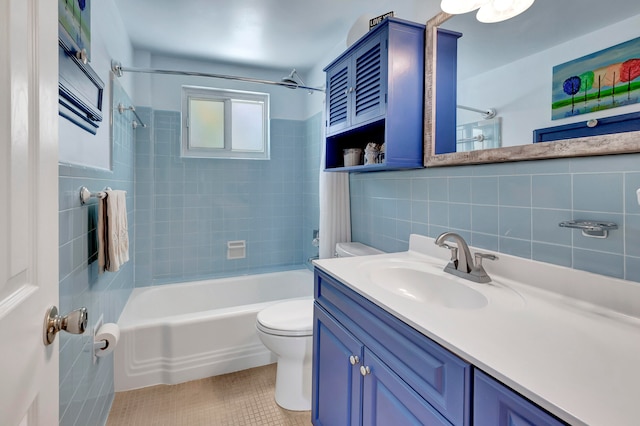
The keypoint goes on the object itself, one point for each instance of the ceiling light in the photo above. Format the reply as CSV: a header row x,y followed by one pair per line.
x,y
501,10
456,7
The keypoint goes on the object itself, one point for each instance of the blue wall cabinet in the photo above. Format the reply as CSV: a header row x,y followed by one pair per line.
x,y
399,375
496,405
602,126
375,93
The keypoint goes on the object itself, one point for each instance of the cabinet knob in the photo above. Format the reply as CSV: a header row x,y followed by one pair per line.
x,y
365,370
353,359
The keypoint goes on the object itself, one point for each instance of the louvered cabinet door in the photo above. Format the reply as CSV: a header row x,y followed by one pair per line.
x,y
338,96
370,81
357,87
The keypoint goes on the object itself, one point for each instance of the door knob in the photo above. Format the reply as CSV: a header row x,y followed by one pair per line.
x,y
74,322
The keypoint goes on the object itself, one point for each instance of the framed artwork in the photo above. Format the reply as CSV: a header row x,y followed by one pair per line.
x,y
609,78
74,17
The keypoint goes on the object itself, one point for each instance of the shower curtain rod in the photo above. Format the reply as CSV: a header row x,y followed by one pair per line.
x,y
487,113
118,70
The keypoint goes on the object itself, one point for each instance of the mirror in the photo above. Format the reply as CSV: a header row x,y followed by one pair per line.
x,y
548,34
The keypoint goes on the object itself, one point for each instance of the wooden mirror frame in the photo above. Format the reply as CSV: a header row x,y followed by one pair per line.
x,y
618,143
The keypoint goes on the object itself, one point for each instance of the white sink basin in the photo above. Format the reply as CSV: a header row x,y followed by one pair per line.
x,y
428,288
427,283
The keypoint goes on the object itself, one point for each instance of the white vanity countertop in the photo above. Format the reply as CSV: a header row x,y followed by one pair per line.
x,y
578,359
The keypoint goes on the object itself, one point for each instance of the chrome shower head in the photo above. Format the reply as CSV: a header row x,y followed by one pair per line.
x,y
293,80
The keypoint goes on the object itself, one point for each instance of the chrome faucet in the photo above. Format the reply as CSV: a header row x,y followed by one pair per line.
x,y
462,264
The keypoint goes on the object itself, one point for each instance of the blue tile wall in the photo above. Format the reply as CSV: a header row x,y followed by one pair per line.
x,y
188,208
512,208
86,390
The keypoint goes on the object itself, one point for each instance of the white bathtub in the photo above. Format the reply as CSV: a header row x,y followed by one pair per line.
x,y
178,332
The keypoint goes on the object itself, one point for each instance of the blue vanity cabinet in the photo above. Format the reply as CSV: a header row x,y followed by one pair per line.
x,y
494,404
399,377
374,93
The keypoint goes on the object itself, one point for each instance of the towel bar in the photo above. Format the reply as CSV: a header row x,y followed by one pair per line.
x,y
86,195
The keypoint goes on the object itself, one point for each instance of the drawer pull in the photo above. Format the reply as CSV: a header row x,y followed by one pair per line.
x,y
365,370
353,359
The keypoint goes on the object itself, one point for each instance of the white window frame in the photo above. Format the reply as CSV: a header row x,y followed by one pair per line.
x,y
227,96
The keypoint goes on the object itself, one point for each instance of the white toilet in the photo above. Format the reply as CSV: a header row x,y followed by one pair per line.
x,y
286,329
355,249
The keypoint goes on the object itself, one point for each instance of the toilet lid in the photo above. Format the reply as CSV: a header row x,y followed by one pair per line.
x,y
290,318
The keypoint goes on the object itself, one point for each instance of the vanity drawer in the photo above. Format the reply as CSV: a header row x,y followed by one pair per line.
x,y
437,375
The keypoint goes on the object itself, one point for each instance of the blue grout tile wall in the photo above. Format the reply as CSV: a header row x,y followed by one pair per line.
x,y
86,390
188,208
511,208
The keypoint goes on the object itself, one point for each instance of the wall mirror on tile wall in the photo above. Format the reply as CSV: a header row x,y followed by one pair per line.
x,y
508,67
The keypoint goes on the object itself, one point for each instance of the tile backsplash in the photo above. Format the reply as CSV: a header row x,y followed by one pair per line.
x,y
512,208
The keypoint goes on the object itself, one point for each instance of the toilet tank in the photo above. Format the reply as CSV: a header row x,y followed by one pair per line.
x,y
355,249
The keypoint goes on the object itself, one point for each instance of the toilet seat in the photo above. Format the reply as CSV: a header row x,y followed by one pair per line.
x,y
290,318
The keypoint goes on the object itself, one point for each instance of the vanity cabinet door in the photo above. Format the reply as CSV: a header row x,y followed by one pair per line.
x,y
496,405
388,400
337,357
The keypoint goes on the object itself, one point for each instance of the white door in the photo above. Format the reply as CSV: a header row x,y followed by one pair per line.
x,y
28,210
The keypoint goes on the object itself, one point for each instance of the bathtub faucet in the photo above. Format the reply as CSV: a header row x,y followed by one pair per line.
x,y
461,263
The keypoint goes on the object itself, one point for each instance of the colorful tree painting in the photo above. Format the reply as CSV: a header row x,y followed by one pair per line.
x,y
601,79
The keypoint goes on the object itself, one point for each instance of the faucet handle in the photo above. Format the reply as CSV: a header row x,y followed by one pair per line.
x,y
479,256
454,251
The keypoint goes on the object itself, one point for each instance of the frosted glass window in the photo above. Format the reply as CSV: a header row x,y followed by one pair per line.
x,y
246,127
222,123
206,124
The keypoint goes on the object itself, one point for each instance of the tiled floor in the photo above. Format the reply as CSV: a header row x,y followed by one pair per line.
x,y
236,399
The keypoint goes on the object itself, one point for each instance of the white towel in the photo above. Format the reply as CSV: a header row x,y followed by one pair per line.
x,y
113,231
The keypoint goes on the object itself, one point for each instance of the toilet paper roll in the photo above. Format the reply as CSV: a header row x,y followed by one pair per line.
x,y
110,333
